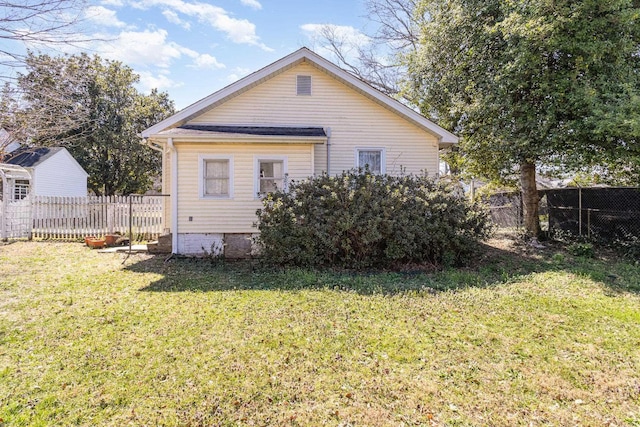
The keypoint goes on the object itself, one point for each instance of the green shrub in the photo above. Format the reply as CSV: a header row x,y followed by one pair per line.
x,y
359,221
582,250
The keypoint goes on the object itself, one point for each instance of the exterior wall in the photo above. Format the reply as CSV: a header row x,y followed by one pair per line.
x,y
354,121
235,215
59,175
166,187
319,159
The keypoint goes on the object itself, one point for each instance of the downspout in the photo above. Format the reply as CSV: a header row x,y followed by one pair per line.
x,y
159,148
437,174
174,196
328,132
5,195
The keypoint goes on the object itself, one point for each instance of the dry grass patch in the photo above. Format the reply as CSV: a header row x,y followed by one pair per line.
x,y
522,338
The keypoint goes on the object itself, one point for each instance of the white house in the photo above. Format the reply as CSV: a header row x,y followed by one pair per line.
x,y
43,171
298,117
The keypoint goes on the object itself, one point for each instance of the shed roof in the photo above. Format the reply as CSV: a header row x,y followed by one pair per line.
x,y
29,157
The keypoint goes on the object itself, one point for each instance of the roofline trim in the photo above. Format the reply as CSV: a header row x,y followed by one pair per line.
x,y
444,136
237,138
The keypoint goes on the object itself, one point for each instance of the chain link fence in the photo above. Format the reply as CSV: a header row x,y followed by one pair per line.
x,y
602,214
506,210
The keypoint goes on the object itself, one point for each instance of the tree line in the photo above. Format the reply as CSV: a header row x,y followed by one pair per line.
x,y
90,106
551,84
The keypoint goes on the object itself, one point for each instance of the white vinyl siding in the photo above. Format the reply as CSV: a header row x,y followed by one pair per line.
x,y
354,121
236,214
59,175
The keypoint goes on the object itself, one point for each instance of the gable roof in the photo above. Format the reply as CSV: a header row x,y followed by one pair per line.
x,y
30,157
302,55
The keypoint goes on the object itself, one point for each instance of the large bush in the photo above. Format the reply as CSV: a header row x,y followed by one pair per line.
x,y
359,221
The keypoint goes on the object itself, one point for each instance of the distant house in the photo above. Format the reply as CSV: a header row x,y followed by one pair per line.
x,y
298,117
41,171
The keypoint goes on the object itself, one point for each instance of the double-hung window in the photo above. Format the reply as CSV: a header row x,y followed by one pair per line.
x,y
20,189
216,177
271,175
371,159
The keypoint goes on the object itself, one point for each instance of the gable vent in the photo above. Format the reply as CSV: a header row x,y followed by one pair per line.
x,y
304,85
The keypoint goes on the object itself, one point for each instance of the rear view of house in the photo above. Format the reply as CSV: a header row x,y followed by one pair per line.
x,y
298,117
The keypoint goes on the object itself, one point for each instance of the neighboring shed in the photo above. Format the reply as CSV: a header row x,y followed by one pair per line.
x,y
50,171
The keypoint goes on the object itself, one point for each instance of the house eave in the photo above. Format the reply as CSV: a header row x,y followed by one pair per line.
x,y
301,55
236,139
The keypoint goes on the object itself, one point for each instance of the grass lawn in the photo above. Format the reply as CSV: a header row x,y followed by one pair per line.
x,y
522,338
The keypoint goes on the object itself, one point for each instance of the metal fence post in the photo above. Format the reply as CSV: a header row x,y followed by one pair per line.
x,y
579,210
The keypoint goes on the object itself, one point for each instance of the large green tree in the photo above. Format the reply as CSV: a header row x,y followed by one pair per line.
x,y
91,106
527,83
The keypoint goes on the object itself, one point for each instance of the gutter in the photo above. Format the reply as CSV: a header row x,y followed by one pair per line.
x,y
152,145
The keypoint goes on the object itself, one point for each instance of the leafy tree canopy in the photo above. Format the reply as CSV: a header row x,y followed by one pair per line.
x,y
91,106
525,83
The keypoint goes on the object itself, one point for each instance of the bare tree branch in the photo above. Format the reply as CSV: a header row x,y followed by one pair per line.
x,y
35,24
376,58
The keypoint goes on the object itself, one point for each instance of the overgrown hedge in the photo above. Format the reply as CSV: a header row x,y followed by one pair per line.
x,y
360,221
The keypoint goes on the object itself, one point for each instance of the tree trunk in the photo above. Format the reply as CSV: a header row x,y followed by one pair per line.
x,y
530,199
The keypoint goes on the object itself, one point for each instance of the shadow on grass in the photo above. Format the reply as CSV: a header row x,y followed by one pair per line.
x,y
492,267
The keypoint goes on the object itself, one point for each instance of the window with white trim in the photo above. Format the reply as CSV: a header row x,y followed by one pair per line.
x,y
271,175
216,177
20,189
371,158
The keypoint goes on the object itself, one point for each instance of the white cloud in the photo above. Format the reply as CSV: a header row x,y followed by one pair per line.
x,y
103,16
342,33
239,31
207,61
175,19
349,39
149,48
161,81
115,3
237,74
252,3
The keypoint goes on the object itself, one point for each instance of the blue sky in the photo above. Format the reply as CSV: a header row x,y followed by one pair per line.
x,y
191,48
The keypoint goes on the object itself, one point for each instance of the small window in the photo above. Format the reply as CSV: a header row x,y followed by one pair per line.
x,y
216,178
373,159
304,85
271,175
20,189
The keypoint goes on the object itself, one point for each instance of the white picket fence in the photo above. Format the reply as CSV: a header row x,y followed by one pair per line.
x,y
15,219
71,218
